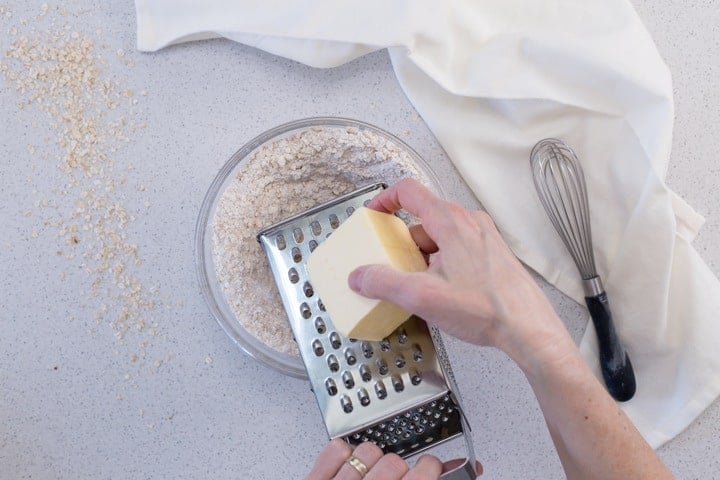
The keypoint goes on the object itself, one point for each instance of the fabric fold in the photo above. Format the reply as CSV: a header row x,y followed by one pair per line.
x,y
490,79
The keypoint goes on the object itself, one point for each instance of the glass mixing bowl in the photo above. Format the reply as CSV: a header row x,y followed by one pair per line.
x,y
210,286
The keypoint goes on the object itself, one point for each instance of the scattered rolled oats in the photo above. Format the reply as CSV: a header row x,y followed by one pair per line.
x,y
55,67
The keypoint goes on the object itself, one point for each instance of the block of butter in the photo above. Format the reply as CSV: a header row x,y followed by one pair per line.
x,y
367,237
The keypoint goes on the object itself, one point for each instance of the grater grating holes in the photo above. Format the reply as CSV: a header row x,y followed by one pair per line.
x,y
395,365
406,432
293,275
334,221
315,228
402,336
305,310
350,357
363,397
280,242
332,362
298,235
346,404
308,289
320,325
380,390
417,353
382,365
312,244
335,340
296,255
318,348
397,383
330,387
348,379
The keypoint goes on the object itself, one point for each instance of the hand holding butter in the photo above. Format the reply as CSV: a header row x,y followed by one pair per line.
x,y
476,290
367,237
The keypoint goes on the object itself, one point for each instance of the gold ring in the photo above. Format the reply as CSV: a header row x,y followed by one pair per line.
x,y
355,462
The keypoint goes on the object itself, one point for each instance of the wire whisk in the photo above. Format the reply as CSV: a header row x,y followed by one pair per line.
x,y
560,184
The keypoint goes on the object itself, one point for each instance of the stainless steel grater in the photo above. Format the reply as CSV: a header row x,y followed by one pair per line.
x,y
399,392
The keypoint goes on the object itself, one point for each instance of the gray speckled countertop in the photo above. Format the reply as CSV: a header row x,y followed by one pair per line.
x,y
74,401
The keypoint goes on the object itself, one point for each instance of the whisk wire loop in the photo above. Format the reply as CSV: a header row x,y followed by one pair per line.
x,y
560,182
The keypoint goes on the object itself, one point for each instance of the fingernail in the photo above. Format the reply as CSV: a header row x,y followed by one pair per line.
x,y
355,279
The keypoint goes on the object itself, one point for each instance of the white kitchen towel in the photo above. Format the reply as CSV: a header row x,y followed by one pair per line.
x,y
490,79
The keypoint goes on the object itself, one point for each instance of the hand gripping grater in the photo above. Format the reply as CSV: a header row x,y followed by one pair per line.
x,y
399,392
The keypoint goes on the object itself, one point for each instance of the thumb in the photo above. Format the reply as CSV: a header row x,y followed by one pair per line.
x,y
377,281
383,282
416,292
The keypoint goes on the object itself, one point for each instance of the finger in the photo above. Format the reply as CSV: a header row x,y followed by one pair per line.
x,y
422,239
416,292
368,453
426,468
379,281
329,461
440,219
389,467
407,194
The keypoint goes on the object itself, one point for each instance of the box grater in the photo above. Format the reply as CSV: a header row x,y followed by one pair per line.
x,y
399,392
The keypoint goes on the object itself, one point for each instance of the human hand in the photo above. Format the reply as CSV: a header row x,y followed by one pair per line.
x,y
333,463
474,288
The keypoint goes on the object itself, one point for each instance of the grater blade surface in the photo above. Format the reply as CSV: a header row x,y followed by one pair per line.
x,y
399,392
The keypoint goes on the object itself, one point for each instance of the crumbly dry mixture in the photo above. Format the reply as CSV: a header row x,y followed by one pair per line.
x,y
55,67
281,179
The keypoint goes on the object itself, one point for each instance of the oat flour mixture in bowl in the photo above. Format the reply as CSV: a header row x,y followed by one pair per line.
x,y
280,173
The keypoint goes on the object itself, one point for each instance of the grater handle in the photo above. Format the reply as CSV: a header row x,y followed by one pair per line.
x,y
466,471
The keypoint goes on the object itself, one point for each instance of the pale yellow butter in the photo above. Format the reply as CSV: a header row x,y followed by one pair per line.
x,y
367,237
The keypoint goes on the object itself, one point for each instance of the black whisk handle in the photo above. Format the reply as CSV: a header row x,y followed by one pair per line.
x,y
615,363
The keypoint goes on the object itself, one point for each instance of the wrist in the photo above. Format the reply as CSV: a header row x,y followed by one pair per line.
x,y
537,341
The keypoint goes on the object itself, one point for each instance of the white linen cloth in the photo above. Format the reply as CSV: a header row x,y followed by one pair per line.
x,y
490,79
